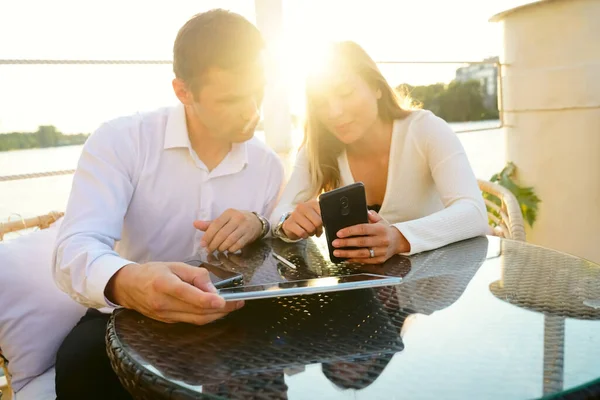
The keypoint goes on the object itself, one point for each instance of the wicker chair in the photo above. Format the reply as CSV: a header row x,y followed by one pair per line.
x,y
41,222
510,223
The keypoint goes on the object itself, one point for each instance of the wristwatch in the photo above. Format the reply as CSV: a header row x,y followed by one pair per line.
x,y
278,229
265,225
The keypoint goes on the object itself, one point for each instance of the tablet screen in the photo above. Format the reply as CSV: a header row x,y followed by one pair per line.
x,y
219,276
308,286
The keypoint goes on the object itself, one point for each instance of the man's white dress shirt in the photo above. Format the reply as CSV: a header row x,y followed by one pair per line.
x,y
137,190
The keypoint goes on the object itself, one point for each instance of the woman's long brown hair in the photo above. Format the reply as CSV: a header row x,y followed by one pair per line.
x,y
321,146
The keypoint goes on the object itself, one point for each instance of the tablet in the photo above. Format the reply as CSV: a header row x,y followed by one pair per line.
x,y
308,286
219,276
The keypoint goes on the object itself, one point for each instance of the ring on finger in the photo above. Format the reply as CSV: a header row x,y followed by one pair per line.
x,y
371,253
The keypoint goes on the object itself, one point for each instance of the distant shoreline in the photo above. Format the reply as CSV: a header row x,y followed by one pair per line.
x,y
45,137
40,148
31,140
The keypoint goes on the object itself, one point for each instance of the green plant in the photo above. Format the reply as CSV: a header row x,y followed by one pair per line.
x,y
526,197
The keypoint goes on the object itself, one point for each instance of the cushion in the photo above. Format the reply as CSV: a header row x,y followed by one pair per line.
x,y
39,388
35,316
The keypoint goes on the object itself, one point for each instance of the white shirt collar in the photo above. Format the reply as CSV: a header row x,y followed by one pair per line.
x,y
177,136
176,133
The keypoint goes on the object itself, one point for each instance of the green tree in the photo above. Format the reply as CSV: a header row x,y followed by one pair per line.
x,y
462,101
425,96
47,136
455,102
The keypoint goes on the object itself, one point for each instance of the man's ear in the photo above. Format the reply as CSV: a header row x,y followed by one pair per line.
x,y
182,91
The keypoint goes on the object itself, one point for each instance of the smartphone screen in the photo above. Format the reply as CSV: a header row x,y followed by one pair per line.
x,y
220,277
308,286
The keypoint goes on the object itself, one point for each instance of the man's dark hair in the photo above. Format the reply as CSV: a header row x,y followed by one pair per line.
x,y
216,38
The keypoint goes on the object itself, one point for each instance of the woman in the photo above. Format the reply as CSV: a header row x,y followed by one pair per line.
x,y
420,188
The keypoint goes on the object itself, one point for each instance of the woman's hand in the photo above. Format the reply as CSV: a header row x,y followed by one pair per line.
x,y
378,235
304,221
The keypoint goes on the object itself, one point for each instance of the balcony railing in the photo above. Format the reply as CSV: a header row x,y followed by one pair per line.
x,y
498,65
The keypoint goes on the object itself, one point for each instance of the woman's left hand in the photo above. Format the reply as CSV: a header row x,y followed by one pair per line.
x,y
378,235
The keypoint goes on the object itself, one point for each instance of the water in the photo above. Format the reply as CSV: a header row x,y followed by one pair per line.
x,y
36,196
31,197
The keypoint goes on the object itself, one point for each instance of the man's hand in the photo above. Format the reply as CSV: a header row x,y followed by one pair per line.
x,y
304,221
231,231
169,292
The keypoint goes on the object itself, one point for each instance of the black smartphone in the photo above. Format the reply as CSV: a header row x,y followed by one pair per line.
x,y
341,208
219,276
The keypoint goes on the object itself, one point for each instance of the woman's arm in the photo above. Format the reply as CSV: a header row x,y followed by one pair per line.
x,y
464,215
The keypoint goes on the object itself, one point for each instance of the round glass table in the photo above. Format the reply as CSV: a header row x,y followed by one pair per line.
x,y
483,318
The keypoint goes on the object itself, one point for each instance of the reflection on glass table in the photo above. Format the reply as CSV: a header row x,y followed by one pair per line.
x,y
476,319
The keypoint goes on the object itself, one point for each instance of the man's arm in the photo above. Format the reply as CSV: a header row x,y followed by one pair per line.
x,y
85,263
234,229
84,256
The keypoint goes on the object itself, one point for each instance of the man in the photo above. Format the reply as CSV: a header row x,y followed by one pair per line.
x,y
164,185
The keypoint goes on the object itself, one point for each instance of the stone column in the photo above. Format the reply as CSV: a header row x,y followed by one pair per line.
x,y
276,109
551,96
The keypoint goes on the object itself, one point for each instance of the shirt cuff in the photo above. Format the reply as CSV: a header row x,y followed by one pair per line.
x,y
417,245
101,270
